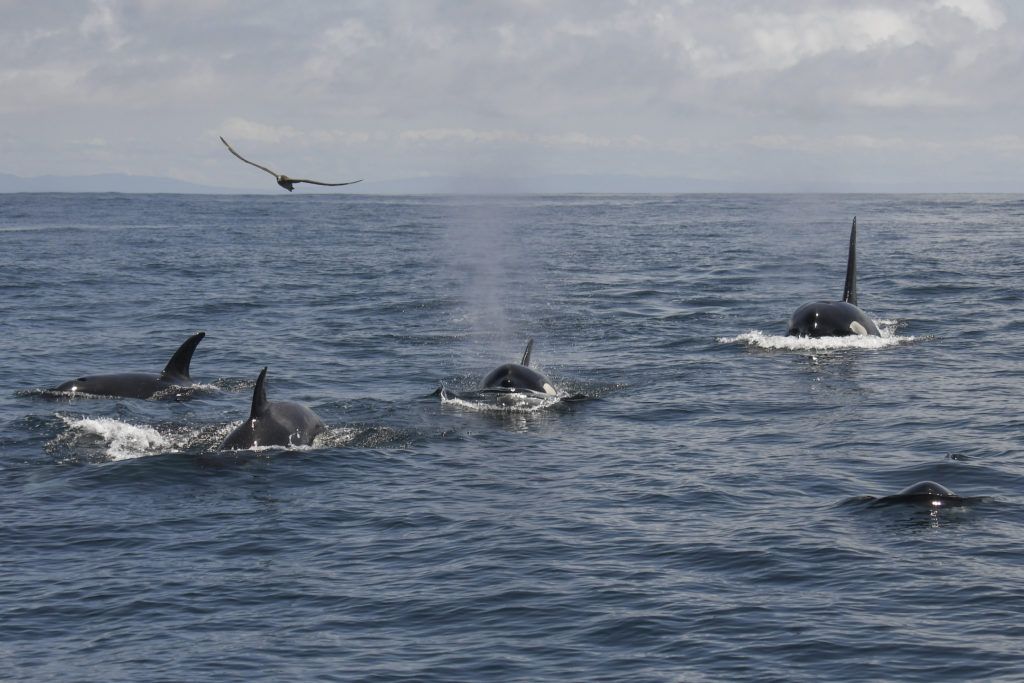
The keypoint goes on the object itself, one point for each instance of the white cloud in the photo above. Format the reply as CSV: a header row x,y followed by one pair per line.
x,y
906,97
756,40
582,85
243,129
102,20
465,135
985,14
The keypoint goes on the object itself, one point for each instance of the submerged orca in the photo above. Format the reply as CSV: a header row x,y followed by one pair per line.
x,y
835,318
514,377
139,384
274,423
928,493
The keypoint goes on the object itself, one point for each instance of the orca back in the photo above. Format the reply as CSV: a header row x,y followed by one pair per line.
x,y
274,423
518,377
836,318
928,493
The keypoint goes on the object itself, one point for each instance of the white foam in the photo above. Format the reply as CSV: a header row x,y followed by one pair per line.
x,y
775,341
329,438
335,436
267,449
124,441
176,391
503,403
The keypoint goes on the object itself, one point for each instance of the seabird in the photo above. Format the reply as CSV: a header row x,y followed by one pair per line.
x,y
283,180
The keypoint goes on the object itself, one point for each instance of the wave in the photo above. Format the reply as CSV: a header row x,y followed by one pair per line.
x,y
122,440
763,340
331,437
104,438
500,402
178,393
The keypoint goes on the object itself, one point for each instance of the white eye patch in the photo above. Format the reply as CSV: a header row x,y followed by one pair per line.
x,y
857,328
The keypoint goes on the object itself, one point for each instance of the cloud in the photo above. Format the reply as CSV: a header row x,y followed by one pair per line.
x,y
906,96
806,143
581,85
243,129
759,40
984,13
102,20
492,137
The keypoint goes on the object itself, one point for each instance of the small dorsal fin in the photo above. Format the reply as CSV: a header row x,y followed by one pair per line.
x,y
259,396
526,354
177,367
850,289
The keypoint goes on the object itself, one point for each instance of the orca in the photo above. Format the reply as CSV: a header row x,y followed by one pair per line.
x,y
139,384
274,423
926,493
518,377
835,318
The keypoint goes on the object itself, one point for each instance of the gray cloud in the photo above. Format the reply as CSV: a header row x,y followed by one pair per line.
x,y
853,92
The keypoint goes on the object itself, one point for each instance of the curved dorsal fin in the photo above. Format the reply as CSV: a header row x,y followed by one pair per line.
x,y
850,289
526,354
259,396
177,367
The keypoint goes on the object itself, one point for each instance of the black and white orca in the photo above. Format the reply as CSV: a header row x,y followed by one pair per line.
x,y
518,377
835,318
274,423
139,384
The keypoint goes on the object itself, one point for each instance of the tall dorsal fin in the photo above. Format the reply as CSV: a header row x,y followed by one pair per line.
x,y
177,366
526,354
259,396
850,289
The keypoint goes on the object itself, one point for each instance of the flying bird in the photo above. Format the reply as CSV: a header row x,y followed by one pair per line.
x,y
283,180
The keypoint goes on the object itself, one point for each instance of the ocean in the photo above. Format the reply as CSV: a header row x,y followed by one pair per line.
x,y
707,510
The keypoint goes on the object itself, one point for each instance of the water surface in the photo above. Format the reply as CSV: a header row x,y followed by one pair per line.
x,y
698,517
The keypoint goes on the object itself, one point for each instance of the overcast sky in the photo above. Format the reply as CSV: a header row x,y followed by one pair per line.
x,y
833,94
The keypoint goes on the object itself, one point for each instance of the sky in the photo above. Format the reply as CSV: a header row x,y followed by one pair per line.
x,y
831,95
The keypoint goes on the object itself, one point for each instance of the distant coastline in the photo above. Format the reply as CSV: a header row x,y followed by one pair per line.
x,y
447,185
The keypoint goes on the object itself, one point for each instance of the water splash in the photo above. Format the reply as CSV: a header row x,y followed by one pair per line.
x,y
501,402
762,340
332,437
179,393
117,440
123,441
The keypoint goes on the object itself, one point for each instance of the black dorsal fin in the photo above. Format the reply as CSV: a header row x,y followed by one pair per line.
x,y
177,366
850,289
259,396
526,354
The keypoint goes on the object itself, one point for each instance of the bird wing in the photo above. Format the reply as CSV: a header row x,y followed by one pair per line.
x,y
317,182
232,150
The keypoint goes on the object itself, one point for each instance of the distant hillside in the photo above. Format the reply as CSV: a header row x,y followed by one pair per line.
x,y
538,184
554,184
106,182
545,184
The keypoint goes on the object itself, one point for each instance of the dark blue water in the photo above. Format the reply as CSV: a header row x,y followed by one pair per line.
x,y
702,515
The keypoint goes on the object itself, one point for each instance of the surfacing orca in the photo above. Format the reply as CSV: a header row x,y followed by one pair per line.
x,y
516,377
927,493
139,384
835,318
273,423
